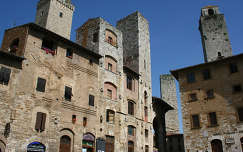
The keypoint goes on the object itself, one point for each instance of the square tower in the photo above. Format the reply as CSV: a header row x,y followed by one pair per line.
x,y
214,34
56,16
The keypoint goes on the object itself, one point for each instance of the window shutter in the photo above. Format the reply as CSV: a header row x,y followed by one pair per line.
x,y
38,121
43,122
41,85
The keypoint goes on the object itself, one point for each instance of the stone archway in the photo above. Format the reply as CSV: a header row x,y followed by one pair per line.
x,y
216,145
36,147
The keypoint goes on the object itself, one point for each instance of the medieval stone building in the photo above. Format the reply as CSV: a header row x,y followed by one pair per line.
x,y
88,95
211,92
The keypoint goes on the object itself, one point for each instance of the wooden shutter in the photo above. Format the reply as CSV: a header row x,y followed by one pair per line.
x,y
43,122
38,121
109,146
41,85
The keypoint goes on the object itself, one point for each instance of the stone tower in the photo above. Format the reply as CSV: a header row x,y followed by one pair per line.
x,y
214,34
56,16
168,94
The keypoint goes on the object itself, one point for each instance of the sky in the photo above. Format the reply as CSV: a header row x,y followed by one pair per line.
x,y
174,34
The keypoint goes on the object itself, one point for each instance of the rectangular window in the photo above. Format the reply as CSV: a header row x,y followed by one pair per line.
x,y
61,14
130,108
69,53
109,66
240,114
195,121
237,88
129,82
131,130
91,100
233,68
146,133
110,144
68,93
192,97
41,85
146,114
191,77
206,74
210,94
40,121
109,93
212,119
110,116
146,148
84,121
4,75
95,37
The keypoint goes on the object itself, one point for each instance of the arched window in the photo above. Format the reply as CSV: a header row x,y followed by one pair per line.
x,y
130,146
88,142
131,108
110,64
111,37
14,46
216,145
131,130
36,146
110,91
65,144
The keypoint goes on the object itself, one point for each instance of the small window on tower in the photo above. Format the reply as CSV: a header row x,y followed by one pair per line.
x,y
61,14
41,85
42,13
69,53
210,12
68,93
95,37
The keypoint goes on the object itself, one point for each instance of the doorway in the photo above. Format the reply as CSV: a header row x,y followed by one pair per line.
x,y
65,144
216,145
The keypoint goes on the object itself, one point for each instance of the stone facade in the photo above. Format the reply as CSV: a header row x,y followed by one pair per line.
x,y
89,94
214,34
211,98
168,94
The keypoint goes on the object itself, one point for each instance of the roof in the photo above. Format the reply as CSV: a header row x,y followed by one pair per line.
x,y
175,73
4,53
38,28
163,103
131,71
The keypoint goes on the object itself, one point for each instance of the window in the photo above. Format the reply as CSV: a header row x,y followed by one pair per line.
x,y
110,116
145,98
109,93
110,144
65,144
74,119
191,77
146,148
69,53
110,67
130,108
146,114
192,97
84,121
95,37
14,46
91,100
210,12
68,93
212,119
41,85
240,114
233,68
110,40
237,88
4,75
206,74
146,133
130,146
61,14
40,121
195,121
111,37
131,130
42,13
129,82
48,46
210,94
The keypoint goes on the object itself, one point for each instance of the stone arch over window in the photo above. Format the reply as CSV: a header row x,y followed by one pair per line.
x,y
88,143
111,37
65,144
110,64
110,90
2,146
14,46
36,146
216,145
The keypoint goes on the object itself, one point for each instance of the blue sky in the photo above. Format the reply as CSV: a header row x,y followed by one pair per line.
x,y
175,38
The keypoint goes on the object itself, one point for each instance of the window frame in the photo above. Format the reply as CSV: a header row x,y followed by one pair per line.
x,y
91,100
110,119
131,130
5,74
212,119
39,86
68,93
131,108
193,122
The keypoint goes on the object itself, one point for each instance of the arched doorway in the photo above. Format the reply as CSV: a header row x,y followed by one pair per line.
x,y
65,144
88,142
36,147
216,145
130,146
241,141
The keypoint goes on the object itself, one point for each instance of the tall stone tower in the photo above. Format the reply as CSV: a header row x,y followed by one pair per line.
x,y
214,34
168,94
56,16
